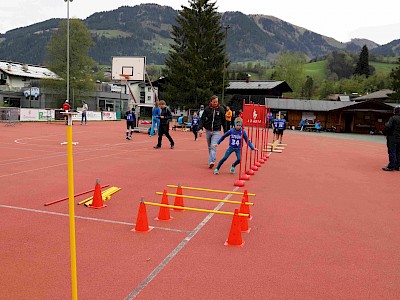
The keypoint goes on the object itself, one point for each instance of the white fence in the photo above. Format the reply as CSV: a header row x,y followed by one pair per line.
x,y
32,114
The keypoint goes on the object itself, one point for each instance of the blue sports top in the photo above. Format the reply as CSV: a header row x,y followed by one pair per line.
x,y
281,124
235,139
130,115
195,121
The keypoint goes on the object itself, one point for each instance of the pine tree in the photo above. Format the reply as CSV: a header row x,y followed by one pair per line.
x,y
362,67
195,65
395,83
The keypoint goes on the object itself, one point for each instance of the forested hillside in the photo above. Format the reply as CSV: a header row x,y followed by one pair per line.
x,y
144,30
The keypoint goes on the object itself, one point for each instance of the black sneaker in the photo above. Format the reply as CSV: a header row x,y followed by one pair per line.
x,y
387,169
172,146
157,147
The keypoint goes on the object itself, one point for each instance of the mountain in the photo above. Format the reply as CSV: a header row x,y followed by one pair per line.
x,y
144,30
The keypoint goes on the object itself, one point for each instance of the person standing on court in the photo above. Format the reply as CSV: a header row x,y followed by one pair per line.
x,y
212,120
130,122
195,124
84,110
66,108
165,117
281,128
392,132
228,119
155,120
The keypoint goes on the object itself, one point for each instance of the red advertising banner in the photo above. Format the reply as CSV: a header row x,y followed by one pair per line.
x,y
254,115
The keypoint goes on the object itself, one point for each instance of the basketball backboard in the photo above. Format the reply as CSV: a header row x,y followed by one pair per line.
x,y
133,67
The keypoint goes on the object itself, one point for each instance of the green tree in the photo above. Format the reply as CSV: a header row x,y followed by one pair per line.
x,y
195,63
340,65
362,66
395,83
290,68
308,88
81,65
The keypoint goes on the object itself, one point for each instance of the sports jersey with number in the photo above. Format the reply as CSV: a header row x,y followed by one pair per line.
x,y
130,115
235,138
281,124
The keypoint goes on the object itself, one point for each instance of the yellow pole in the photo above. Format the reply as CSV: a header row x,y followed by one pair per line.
x,y
197,209
209,190
72,239
205,199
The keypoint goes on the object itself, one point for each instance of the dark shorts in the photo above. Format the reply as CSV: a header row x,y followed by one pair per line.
x,y
275,131
130,124
279,131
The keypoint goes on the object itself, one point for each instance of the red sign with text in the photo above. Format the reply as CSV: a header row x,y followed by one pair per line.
x,y
254,115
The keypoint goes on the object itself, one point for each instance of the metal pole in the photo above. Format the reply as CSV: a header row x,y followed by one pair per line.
x,y
67,49
223,74
71,204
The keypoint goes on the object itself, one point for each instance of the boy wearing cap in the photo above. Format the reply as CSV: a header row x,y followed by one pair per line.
x,y
235,144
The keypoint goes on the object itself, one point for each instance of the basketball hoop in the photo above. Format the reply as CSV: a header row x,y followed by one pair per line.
x,y
126,76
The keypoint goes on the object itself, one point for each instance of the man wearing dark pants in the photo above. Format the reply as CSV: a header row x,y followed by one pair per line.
x,y
165,116
392,132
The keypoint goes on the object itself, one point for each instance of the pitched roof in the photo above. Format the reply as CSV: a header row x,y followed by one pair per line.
x,y
324,105
378,95
235,86
305,105
25,70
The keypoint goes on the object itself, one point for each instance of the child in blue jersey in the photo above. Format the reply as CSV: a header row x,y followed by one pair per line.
x,y
275,123
130,122
195,125
235,144
281,128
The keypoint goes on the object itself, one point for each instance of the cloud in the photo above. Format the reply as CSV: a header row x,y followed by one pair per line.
x,y
379,34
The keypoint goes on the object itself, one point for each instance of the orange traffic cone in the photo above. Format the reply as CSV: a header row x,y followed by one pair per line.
x,y
235,234
179,200
163,214
142,223
244,221
97,201
245,198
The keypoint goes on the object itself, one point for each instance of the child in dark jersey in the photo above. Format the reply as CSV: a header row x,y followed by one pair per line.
x,y
235,144
130,122
195,125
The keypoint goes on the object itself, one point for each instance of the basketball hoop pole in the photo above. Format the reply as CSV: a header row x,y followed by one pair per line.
x,y
126,77
154,92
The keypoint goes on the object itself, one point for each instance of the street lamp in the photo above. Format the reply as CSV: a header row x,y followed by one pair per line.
x,y
226,27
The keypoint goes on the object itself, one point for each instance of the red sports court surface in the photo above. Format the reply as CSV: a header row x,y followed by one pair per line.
x,y
325,221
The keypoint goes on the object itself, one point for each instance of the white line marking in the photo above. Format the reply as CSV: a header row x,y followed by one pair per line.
x,y
86,218
174,252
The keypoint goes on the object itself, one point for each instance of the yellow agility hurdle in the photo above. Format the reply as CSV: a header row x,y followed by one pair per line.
x,y
106,194
209,190
204,198
197,209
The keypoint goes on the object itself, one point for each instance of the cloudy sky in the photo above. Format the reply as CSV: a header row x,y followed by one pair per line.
x,y
377,20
